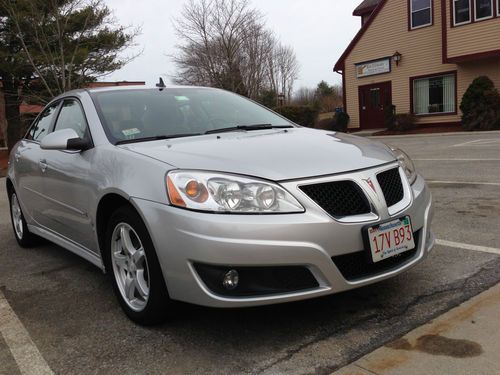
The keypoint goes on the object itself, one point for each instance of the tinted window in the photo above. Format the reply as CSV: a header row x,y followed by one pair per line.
x,y
375,96
42,124
462,11
71,117
130,114
484,9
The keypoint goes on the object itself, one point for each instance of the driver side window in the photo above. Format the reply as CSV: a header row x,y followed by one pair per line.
x,y
71,116
42,124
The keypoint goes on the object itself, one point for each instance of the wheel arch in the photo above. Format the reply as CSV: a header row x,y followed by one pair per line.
x,y
108,204
9,185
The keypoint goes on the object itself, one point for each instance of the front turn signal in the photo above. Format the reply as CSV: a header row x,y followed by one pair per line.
x,y
173,194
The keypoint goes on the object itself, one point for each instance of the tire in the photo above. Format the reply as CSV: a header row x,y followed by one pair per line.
x,y
136,274
23,236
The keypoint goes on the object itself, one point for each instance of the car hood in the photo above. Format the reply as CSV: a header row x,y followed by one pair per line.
x,y
272,154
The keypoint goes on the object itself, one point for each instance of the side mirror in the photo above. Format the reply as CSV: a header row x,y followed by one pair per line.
x,y
64,139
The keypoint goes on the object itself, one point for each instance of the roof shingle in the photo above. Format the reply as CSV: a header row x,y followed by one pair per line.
x,y
365,6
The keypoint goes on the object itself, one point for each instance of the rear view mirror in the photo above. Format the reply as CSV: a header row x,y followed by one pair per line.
x,y
64,139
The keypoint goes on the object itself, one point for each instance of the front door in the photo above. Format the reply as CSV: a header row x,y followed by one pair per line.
x,y
374,100
67,186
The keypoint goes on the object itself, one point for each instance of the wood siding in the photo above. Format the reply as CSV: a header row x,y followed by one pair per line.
x,y
422,54
470,70
477,37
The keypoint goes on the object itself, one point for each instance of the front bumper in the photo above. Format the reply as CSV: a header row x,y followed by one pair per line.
x,y
183,238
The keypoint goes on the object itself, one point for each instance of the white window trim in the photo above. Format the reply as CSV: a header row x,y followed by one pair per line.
x,y
411,16
484,18
454,13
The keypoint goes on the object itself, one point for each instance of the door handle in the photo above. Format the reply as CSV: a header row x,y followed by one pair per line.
x,y
43,164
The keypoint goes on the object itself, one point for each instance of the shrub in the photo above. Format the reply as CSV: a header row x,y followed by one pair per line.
x,y
389,116
481,105
300,114
402,122
325,123
341,121
268,98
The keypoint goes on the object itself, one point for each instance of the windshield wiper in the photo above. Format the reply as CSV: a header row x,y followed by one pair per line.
x,y
155,138
247,128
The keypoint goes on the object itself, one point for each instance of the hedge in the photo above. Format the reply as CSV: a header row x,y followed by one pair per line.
x,y
300,114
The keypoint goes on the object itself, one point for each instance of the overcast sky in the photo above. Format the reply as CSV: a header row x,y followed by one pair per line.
x,y
318,30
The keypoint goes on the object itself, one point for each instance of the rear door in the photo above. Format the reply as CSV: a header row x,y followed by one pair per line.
x,y
66,184
28,164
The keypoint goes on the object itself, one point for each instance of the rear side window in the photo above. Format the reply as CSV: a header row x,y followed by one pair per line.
x,y
41,126
71,117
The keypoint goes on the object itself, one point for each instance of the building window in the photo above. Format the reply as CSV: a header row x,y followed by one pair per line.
x,y
461,12
483,9
421,13
434,95
498,8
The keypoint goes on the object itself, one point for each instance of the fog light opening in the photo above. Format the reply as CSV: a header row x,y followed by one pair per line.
x,y
230,280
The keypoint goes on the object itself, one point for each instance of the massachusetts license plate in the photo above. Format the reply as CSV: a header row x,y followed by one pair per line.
x,y
391,238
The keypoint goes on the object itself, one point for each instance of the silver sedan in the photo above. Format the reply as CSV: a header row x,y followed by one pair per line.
x,y
203,196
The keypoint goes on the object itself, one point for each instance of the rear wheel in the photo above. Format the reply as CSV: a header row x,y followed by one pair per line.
x,y
23,236
135,270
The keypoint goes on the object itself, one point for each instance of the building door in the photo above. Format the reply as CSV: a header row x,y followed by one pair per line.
x,y
373,101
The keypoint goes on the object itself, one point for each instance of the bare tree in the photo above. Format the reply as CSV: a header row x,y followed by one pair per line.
x,y
285,69
225,44
258,47
304,96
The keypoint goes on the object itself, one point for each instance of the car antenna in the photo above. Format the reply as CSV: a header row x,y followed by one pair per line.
x,y
161,84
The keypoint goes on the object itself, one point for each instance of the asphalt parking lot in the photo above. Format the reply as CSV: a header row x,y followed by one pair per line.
x,y
58,313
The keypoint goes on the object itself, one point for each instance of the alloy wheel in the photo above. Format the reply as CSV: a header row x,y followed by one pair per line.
x,y
130,266
17,216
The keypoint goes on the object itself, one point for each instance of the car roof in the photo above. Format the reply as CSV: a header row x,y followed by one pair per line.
x,y
138,87
92,90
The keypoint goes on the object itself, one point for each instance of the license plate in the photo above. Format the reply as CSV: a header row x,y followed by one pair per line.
x,y
390,238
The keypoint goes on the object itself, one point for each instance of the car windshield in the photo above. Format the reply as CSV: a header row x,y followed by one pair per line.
x,y
129,115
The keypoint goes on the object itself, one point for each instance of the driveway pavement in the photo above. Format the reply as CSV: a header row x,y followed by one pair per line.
x,y
58,313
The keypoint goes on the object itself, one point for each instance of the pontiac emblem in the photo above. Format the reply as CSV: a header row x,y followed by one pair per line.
x,y
370,184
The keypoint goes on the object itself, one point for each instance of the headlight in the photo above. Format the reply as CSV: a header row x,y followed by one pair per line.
x,y
221,192
406,163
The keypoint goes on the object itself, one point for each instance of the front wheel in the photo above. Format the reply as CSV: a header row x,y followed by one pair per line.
x,y
135,270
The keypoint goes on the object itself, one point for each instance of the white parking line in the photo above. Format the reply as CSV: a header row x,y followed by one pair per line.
x,y
466,143
454,159
25,353
477,142
463,182
465,246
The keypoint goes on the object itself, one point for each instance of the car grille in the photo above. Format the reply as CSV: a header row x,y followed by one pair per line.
x,y
390,182
338,198
359,265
